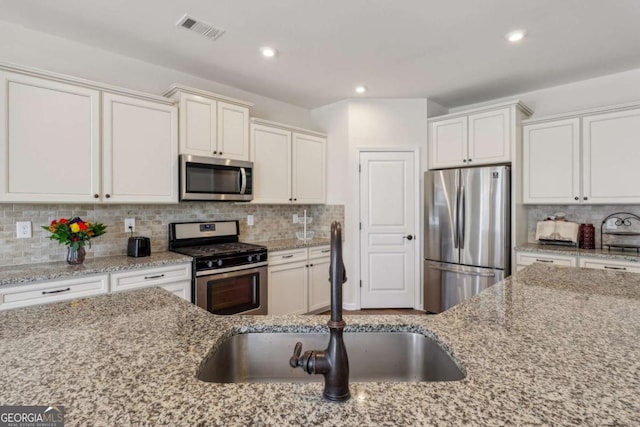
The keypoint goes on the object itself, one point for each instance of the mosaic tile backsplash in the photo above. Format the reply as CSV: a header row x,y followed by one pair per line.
x,y
272,222
584,214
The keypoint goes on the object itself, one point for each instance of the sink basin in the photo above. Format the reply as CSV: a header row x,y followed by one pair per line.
x,y
373,356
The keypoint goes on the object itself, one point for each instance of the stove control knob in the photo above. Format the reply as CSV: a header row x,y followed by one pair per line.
x,y
219,262
250,258
209,264
258,256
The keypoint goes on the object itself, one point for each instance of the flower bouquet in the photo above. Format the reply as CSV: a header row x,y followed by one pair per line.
x,y
74,233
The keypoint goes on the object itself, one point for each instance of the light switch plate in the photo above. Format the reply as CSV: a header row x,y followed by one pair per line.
x,y
23,229
296,219
129,222
250,219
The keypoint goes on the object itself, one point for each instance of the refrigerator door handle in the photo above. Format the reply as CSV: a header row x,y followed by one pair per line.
x,y
462,209
456,234
468,273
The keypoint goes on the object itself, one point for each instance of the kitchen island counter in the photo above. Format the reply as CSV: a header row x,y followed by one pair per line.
x,y
550,346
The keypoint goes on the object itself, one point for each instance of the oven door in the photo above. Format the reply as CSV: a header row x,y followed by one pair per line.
x,y
208,178
235,292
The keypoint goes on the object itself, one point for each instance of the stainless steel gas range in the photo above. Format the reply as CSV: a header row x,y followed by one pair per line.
x,y
229,277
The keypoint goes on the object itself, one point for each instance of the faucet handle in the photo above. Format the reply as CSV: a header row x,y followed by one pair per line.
x,y
294,362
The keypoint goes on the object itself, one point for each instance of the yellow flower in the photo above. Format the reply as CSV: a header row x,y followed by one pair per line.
x,y
75,227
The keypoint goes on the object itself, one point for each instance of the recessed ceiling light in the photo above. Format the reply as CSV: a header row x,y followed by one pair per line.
x,y
361,89
268,52
515,36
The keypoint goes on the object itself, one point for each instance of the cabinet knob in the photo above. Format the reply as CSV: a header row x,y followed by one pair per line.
x,y
295,200
585,198
220,153
469,160
464,161
290,199
107,196
576,198
215,152
95,196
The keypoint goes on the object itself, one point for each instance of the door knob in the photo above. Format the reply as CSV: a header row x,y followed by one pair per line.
x,y
409,237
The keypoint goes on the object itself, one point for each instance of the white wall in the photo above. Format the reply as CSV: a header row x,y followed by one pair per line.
x,y
619,88
23,46
354,124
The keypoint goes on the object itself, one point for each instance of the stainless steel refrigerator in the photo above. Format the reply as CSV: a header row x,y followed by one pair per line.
x,y
467,227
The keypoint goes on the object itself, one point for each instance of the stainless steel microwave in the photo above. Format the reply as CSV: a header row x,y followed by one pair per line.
x,y
210,178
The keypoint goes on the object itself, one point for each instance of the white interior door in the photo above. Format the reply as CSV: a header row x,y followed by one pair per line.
x,y
388,184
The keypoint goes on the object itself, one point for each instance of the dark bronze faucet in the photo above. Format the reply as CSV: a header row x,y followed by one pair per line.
x,y
332,362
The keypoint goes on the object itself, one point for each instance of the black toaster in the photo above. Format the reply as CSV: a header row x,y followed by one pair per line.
x,y
139,246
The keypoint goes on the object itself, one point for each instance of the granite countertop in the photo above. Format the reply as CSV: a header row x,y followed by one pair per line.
x,y
574,251
280,245
21,274
547,346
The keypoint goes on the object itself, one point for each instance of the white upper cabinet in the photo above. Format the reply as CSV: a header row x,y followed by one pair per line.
x,y
551,167
477,138
289,166
140,151
309,169
49,140
561,165
52,148
611,157
212,124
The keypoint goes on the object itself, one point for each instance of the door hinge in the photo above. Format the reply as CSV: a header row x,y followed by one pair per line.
x,y
360,283
359,167
360,226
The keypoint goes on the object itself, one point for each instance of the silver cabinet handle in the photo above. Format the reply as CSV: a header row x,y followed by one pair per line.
x,y
56,291
287,256
544,260
324,251
615,268
468,273
153,277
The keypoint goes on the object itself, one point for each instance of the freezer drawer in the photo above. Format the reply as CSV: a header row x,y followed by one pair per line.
x,y
447,285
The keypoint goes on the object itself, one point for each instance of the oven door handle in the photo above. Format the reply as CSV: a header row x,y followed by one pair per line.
x,y
238,268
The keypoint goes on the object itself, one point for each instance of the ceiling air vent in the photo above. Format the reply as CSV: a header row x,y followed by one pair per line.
x,y
200,27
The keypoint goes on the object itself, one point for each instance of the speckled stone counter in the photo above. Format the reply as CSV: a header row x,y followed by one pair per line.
x,y
280,245
548,346
20,274
574,251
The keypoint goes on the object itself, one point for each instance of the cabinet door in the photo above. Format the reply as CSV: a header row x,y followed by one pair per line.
x,y
309,169
489,137
551,162
271,157
49,140
140,151
180,289
288,289
611,157
319,286
448,143
233,131
198,125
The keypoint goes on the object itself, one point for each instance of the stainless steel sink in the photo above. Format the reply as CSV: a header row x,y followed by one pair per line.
x,y
373,356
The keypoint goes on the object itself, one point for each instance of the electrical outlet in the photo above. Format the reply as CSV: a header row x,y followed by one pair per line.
x,y
129,225
23,229
296,219
250,220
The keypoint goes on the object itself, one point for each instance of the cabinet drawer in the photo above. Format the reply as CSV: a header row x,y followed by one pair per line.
x,y
319,252
53,291
291,255
136,279
605,264
530,258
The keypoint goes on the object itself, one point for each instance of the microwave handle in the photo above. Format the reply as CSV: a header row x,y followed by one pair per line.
x,y
243,180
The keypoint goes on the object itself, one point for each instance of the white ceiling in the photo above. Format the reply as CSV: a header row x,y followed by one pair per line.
x,y
452,51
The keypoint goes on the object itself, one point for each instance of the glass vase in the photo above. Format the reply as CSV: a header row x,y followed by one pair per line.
x,y
75,256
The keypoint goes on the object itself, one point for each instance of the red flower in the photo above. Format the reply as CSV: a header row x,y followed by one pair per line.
x,y
63,221
82,226
54,222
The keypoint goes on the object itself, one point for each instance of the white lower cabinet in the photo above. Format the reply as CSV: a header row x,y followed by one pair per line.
x,y
606,264
174,278
53,291
298,281
524,259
